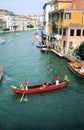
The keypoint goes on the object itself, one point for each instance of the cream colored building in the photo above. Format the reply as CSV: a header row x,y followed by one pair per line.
x,y
14,22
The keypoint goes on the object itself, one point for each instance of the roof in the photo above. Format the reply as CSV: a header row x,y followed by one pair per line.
x,y
73,5
63,0
6,11
78,4
74,25
22,16
47,3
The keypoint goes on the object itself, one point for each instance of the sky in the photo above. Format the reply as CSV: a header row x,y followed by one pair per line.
x,y
23,7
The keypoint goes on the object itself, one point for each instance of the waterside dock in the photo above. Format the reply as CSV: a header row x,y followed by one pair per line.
x,y
68,57
57,53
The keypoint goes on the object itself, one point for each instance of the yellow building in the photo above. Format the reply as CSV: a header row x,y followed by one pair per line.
x,y
66,24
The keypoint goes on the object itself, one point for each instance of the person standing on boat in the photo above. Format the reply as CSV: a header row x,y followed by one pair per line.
x,y
57,79
26,85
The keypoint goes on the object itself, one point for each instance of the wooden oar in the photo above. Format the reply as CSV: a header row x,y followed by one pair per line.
x,y
22,97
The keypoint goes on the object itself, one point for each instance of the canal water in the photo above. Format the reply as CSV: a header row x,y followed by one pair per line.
x,y
57,110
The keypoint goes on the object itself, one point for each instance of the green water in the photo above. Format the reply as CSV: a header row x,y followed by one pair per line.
x,y
57,110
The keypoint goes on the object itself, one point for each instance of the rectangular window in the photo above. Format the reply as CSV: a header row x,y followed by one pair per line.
x,y
61,16
72,32
70,44
67,15
64,31
64,44
58,17
83,32
49,17
78,32
60,31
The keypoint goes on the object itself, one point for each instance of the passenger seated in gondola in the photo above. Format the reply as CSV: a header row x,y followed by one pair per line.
x,y
66,78
21,86
45,84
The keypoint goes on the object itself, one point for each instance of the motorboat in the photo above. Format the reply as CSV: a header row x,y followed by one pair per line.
x,y
77,68
2,41
45,50
41,46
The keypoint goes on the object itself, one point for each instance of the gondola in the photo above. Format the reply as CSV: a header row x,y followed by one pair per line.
x,y
39,88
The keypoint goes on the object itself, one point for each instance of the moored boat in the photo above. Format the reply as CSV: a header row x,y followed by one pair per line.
x,y
41,46
1,73
45,50
77,68
39,88
2,41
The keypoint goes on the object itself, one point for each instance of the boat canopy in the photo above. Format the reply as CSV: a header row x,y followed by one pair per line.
x,y
76,64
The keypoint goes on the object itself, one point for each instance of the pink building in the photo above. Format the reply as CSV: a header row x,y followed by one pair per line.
x,y
73,36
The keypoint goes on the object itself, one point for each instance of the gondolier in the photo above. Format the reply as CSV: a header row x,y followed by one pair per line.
x,y
26,85
57,79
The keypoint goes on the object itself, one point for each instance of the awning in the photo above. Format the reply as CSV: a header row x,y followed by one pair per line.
x,y
76,64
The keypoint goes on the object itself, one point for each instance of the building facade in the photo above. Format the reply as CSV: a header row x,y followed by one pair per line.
x,y
48,6
66,24
13,22
2,25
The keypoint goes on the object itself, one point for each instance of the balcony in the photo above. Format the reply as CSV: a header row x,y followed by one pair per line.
x,y
58,37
